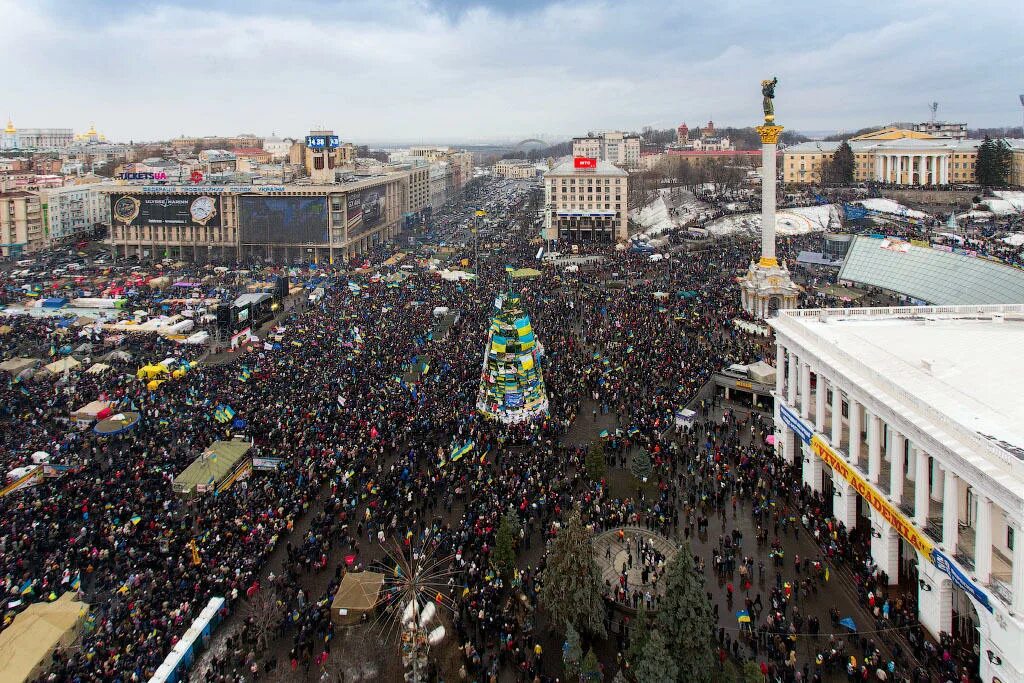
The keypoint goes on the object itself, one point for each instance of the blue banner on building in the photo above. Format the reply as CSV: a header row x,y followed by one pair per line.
x,y
960,579
796,424
854,211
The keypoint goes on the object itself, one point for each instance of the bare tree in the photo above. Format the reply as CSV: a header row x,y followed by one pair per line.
x,y
264,613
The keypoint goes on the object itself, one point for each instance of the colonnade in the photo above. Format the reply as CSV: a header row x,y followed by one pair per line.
x,y
961,520
912,169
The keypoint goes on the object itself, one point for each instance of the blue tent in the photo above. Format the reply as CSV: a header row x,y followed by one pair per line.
x,y
848,623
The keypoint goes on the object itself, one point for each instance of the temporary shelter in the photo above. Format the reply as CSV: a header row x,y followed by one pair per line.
x,y
216,469
27,645
16,365
357,595
93,410
63,365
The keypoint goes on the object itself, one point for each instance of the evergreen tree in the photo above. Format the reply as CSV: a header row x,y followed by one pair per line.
x,y
684,619
1003,162
639,635
986,171
656,664
572,652
504,557
590,670
843,166
751,672
596,465
640,464
571,590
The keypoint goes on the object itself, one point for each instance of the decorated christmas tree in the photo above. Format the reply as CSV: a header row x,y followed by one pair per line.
x,y
512,385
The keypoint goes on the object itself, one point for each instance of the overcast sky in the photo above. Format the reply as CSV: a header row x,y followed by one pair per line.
x,y
433,70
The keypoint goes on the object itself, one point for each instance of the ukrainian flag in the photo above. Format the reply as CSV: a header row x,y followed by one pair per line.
x,y
76,582
527,361
245,374
26,587
509,269
460,451
498,344
135,520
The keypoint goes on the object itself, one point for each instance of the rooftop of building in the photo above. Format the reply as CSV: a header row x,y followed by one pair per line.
x,y
604,168
914,141
955,371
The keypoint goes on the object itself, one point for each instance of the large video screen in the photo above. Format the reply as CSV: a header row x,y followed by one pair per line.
x,y
165,209
283,220
365,209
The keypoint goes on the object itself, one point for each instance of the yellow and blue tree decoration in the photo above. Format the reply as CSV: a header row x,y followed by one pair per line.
x,y
512,383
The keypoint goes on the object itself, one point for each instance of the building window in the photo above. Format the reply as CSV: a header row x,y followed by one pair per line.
x,y
1009,537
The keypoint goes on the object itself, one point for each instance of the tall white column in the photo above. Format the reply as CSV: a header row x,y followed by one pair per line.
x,y
1017,580
805,390
983,540
811,469
780,370
937,488
921,503
855,428
793,381
951,513
768,172
819,403
896,454
887,167
885,546
911,462
845,504
923,175
879,167
837,416
874,447
945,170
789,447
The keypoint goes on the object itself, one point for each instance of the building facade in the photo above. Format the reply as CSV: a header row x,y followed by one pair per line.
x,y
21,223
943,129
72,211
894,157
586,201
621,149
907,431
514,168
271,224
35,138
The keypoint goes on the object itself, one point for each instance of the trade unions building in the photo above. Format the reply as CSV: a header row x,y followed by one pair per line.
x,y
292,223
909,421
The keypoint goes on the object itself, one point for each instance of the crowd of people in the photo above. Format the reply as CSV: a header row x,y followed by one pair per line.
x,y
363,466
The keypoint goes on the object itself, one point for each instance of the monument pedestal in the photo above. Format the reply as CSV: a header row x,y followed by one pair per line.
x,y
768,288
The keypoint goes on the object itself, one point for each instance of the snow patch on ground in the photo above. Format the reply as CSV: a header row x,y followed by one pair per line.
x,y
656,219
1014,240
884,205
796,221
1015,198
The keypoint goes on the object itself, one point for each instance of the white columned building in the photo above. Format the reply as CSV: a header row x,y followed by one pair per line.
x,y
935,397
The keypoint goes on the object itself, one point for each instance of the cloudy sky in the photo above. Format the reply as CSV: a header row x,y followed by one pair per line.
x,y
459,70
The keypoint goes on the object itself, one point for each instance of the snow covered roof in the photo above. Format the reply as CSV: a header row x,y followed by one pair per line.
x,y
912,144
954,371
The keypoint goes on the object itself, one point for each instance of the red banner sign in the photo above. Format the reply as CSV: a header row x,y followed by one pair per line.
x,y
584,162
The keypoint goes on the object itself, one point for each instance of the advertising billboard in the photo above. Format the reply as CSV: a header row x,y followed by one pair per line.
x,y
323,141
283,220
584,162
365,209
165,209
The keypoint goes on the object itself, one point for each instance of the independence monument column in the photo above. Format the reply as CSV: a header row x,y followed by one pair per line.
x,y
767,286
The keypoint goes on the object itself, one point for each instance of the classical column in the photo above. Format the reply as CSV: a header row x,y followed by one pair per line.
x,y
769,148
887,164
789,447
885,546
1017,580
945,170
780,369
805,390
874,447
879,166
921,503
923,174
819,403
855,427
811,469
845,504
937,489
837,416
792,384
896,453
983,540
951,513
911,461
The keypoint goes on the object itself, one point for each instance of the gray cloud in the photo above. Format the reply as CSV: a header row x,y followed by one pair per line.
x,y
415,70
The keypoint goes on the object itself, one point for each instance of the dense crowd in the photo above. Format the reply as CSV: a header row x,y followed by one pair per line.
x,y
363,466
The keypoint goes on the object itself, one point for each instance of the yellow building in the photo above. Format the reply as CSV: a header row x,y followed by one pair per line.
x,y
893,156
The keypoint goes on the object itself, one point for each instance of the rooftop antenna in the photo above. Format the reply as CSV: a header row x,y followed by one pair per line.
x,y
933,107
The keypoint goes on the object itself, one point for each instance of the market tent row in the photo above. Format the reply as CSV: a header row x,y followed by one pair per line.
x,y
217,468
16,365
27,645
